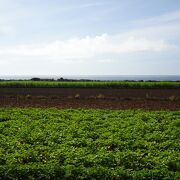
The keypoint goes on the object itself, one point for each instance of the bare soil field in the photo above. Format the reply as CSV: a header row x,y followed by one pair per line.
x,y
150,99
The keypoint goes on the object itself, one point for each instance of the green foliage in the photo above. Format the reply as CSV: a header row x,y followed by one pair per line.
x,y
90,84
89,144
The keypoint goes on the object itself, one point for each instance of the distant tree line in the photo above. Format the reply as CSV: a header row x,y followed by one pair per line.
x,y
74,80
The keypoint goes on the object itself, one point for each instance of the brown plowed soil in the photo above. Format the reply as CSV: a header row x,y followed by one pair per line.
x,y
150,99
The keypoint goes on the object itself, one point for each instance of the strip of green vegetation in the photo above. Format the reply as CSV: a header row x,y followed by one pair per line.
x,y
89,84
89,144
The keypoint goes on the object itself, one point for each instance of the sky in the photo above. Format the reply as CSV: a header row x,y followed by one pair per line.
x,y
89,37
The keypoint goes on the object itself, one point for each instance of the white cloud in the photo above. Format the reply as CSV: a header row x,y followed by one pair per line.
x,y
125,53
105,60
88,47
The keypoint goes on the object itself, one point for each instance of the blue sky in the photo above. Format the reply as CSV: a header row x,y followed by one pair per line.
x,y
89,37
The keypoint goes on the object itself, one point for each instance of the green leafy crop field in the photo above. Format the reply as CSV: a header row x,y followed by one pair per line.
x,y
89,84
89,144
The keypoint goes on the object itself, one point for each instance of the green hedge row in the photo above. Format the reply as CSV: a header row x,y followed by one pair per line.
x,y
89,84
